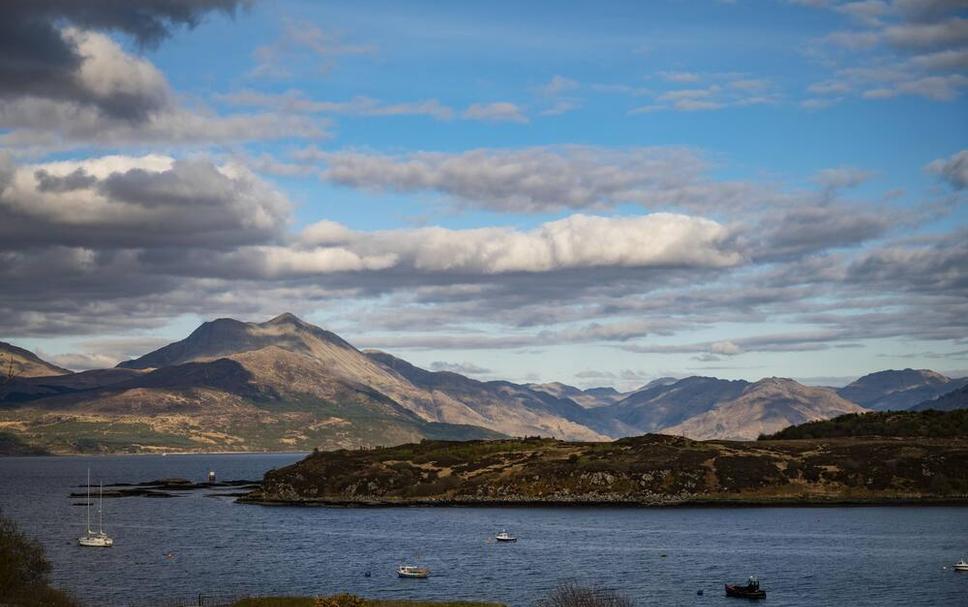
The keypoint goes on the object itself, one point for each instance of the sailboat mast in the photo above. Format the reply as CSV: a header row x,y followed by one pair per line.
x,y
89,501
100,504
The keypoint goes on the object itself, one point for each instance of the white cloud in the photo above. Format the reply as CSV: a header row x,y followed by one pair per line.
x,y
953,169
498,111
579,241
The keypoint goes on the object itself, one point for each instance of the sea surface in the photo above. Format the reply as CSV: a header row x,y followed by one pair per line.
x,y
803,556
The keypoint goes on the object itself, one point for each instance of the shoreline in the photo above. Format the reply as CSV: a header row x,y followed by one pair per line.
x,y
834,502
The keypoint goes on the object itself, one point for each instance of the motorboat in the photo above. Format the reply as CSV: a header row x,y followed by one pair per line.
x,y
98,539
961,565
504,536
750,591
410,571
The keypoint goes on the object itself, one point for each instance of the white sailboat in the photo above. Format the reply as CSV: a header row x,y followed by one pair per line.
x,y
92,539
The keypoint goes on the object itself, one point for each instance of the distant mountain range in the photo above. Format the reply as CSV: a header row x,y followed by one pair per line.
x,y
897,390
286,384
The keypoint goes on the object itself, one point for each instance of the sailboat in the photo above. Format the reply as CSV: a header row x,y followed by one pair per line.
x,y
92,539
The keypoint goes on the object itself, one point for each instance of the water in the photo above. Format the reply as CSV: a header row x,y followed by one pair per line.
x,y
803,556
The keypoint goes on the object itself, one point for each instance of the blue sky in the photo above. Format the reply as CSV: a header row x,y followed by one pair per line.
x,y
597,193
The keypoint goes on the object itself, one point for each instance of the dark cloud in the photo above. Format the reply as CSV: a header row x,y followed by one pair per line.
x,y
39,57
149,202
76,180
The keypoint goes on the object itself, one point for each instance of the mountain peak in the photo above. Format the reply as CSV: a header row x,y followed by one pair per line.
x,y
286,318
896,388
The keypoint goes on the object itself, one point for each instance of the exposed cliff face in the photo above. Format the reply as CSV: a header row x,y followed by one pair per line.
x,y
652,469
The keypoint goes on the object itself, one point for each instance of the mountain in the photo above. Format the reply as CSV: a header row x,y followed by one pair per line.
x,y
898,389
956,399
16,362
766,406
590,399
503,406
660,404
286,384
283,384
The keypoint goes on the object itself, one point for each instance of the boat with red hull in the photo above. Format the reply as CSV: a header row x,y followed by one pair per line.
x,y
750,591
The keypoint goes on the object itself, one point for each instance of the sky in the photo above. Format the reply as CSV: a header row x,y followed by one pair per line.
x,y
600,193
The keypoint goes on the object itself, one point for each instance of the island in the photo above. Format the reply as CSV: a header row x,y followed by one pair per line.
x,y
649,470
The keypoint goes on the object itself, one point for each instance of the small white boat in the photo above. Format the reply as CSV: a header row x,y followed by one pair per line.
x,y
504,536
413,572
961,565
100,539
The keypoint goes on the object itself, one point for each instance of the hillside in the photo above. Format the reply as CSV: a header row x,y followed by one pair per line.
x,y
956,399
930,424
647,470
16,363
898,389
766,406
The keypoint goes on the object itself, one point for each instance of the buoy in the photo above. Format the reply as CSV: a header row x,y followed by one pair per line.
x,y
366,574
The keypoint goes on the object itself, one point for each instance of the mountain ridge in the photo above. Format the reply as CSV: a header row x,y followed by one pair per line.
x,y
288,384
897,389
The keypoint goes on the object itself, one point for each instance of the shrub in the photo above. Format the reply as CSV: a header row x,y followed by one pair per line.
x,y
25,571
571,594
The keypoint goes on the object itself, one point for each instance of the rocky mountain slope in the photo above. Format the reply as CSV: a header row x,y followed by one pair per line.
x,y
16,362
647,470
899,389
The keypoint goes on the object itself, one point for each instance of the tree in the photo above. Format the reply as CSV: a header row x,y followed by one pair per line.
x,y
25,571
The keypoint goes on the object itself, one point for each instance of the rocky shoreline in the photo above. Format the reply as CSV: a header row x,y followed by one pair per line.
x,y
598,501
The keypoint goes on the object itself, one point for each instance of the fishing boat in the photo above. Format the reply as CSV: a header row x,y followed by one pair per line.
x,y
92,539
750,591
961,565
504,536
410,571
